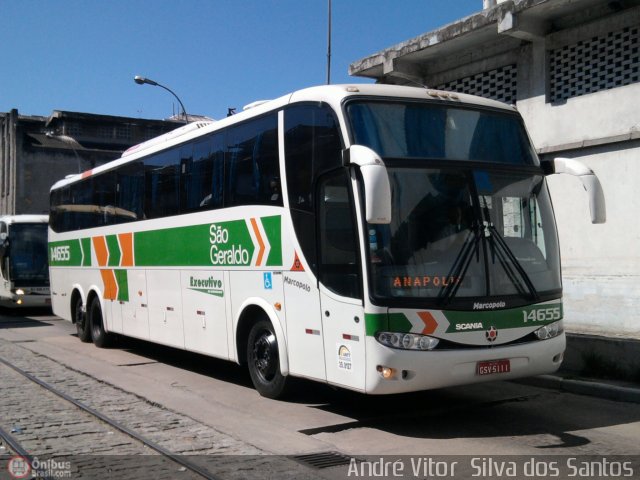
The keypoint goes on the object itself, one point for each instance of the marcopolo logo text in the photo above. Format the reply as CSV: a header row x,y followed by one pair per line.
x,y
297,284
488,306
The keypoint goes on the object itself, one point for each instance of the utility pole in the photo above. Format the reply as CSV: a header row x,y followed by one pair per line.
x,y
329,46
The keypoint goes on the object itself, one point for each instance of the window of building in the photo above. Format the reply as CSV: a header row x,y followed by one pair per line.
x,y
123,132
499,84
598,63
104,131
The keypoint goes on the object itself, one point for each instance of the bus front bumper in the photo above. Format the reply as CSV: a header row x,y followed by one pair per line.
x,y
418,370
26,301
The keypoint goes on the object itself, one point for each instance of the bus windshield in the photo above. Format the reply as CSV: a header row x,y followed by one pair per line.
x,y
411,129
28,254
471,214
461,234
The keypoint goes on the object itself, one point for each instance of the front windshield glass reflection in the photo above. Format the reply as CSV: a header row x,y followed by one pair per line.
x,y
28,254
463,233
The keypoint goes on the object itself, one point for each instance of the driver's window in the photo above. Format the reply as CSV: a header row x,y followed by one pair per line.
x,y
339,269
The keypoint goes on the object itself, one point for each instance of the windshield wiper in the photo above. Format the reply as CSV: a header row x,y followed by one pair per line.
x,y
461,265
499,243
496,241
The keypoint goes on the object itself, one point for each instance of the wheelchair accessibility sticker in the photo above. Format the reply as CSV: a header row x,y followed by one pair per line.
x,y
268,281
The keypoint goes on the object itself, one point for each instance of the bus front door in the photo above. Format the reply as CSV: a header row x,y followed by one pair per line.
x,y
340,283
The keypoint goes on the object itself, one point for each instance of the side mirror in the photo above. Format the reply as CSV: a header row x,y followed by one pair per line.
x,y
590,182
377,189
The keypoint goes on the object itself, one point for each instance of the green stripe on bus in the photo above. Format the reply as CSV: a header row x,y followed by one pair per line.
x,y
114,250
172,247
86,251
382,322
529,316
218,244
65,254
273,228
123,285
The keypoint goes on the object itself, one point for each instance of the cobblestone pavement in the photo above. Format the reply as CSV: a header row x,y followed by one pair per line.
x,y
48,426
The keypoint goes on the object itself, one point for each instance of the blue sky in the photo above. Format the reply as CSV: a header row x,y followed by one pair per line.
x,y
82,55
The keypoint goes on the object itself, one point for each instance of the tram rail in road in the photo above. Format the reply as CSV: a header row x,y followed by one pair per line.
x,y
61,414
22,451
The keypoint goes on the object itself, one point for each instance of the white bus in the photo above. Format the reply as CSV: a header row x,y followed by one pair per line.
x,y
378,238
24,271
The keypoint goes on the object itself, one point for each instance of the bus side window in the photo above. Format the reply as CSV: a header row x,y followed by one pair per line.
x,y
162,184
203,176
60,218
338,236
253,174
130,192
104,198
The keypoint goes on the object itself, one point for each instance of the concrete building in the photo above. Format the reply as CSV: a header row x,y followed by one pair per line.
x,y
36,151
572,69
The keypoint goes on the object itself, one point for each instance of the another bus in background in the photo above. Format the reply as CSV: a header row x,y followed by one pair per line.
x,y
24,270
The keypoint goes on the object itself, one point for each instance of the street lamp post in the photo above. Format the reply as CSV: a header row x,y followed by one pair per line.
x,y
71,142
142,80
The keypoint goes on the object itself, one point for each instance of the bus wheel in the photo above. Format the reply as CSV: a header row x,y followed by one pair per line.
x,y
100,337
82,324
264,361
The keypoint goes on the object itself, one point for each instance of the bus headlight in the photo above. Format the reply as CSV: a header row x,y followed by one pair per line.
x,y
407,341
19,292
549,331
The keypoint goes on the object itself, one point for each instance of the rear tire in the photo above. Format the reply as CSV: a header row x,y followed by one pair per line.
x,y
81,321
100,337
264,361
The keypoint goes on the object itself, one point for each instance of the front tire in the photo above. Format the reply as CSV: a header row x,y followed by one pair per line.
x,y
100,337
263,358
81,321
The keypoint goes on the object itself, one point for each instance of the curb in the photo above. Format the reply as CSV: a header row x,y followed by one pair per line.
x,y
585,387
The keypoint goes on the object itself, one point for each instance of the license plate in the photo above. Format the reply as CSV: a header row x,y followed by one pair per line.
x,y
493,366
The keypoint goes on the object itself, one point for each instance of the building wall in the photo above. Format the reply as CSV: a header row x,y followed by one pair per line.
x,y
36,152
8,142
601,263
39,170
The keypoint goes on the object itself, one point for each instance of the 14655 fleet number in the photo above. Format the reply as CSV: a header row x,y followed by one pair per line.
x,y
542,315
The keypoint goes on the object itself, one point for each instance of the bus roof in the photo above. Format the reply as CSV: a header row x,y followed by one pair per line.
x,y
333,95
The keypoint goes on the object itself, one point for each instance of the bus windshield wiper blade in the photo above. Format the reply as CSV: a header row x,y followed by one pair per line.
x,y
460,266
498,241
